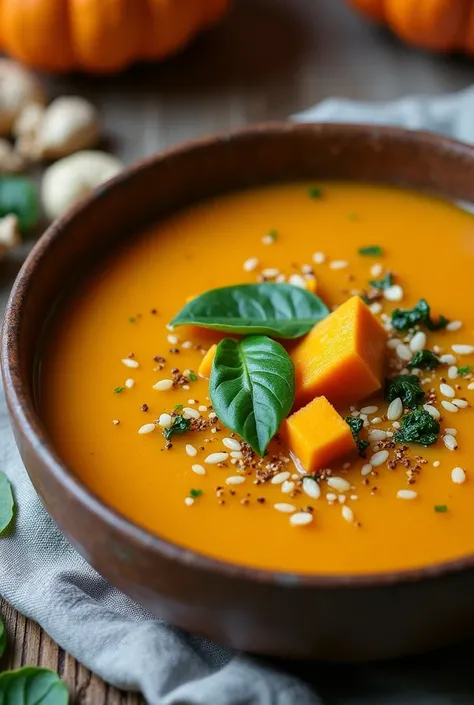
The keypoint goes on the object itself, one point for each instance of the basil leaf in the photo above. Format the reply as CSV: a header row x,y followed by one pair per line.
x,y
6,504
418,427
425,360
3,638
18,196
403,319
356,425
279,310
407,388
32,686
384,283
252,388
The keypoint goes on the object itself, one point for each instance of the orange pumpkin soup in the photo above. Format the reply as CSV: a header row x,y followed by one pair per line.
x,y
372,470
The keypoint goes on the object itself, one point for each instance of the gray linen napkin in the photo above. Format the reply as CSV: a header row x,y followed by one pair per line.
x,y
45,579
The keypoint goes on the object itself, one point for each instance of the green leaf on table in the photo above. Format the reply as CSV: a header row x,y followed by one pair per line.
x,y
18,196
278,310
32,686
252,388
3,638
420,314
6,505
418,427
407,388
424,360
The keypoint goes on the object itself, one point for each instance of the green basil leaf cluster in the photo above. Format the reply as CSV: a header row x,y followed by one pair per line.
x,y
277,310
418,427
382,284
420,314
6,503
424,360
407,388
252,388
356,425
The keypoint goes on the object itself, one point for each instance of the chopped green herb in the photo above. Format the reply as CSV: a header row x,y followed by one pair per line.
x,y
272,235
180,425
365,299
383,283
418,427
464,370
132,320
419,314
315,192
178,407
371,251
407,388
441,508
192,376
117,390
356,426
195,493
425,360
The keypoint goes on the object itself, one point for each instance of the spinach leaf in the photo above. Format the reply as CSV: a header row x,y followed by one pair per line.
x,y
418,427
424,360
279,310
18,196
403,319
356,426
195,493
407,387
3,638
252,388
180,425
441,508
371,251
6,502
383,283
32,686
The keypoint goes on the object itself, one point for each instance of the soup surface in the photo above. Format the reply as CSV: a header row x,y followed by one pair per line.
x,y
110,345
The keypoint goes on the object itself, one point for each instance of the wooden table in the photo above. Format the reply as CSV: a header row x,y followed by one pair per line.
x,y
269,59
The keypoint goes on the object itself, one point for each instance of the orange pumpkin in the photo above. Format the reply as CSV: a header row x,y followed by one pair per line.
x,y
100,36
437,25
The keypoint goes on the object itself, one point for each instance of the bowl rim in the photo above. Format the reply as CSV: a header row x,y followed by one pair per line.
x,y
22,408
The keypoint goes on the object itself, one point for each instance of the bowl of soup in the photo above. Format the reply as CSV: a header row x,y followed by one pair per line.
x,y
241,377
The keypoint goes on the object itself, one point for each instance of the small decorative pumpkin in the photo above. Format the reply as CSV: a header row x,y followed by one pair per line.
x,y
100,36
436,25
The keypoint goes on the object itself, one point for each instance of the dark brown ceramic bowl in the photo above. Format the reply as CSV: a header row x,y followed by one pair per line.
x,y
327,617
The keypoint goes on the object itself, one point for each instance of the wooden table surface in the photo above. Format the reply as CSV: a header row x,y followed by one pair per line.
x,y
269,59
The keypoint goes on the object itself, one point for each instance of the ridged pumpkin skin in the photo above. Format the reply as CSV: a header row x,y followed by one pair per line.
x,y
436,25
100,36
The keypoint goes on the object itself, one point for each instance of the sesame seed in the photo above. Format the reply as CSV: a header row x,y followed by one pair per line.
x,y
306,269
375,420
395,409
186,387
280,279
379,458
454,325
470,386
338,264
251,264
187,345
447,359
354,497
418,342
397,425
393,343
449,407
331,497
235,480
301,519
406,494
285,508
191,450
212,415
460,403
297,280
280,477
129,383
366,469
450,442
128,362
393,293
287,487
369,410
319,257
377,435
458,476
452,431
232,444
376,270
192,401
236,454
436,464
198,469
347,514
268,240
190,413
215,458
165,421
163,385
173,339
403,352
432,410
453,372
270,272
463,349
341,498
115,422
202,407
376,307
339,484
189,501
147,428
311,488
446,390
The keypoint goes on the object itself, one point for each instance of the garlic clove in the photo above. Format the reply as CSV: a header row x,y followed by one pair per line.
x,y
68,125
18,87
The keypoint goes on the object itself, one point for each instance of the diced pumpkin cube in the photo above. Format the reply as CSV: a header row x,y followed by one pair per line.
x,y
342,358
317,435
206,362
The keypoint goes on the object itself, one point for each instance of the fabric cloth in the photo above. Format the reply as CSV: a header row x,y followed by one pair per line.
x,y
45,579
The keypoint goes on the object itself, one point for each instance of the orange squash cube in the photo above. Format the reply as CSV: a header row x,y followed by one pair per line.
x,y
342,358
206,362
317,435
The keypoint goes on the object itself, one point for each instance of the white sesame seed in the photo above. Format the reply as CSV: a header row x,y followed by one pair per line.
x,y
366,469
319,257
190,413
287,487
450,442
128,362
285,508
452,431
458,476
251,264
418,342
187,345
395,409
355,414
453,372
339,484
460,403
235,480
432,410
375,420
236,454
129,383
396,425
446,390
369,410
163,385
376,308
202,407
470,386
379,458
169,326
449,407
270,272
198,469
147,428
341,498
186,372
301,519
377,435
393,343
338,264
115,422
215,458
280,279
268,239
191,450
212,415
297,280
454,325
331,497
173,339
403,352
447,359
165,420
232,443
363,416
376,270
436,464
347,514
280,477
189,501
463,349
192,401
393,293
311,488
406,494
306,269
